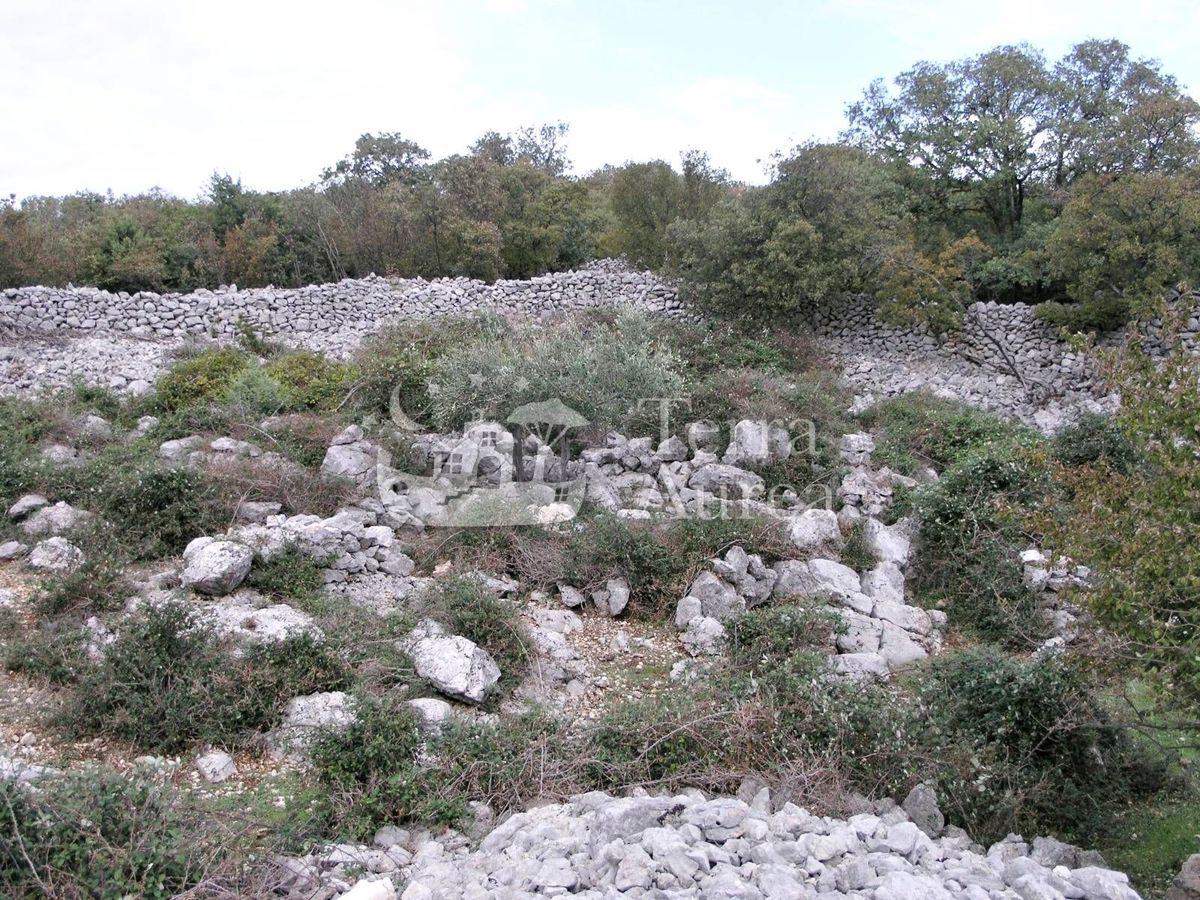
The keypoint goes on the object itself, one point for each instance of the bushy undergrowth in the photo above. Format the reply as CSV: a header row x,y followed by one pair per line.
x,y
972,517
167,682
919,430
99,835
376,773
465,607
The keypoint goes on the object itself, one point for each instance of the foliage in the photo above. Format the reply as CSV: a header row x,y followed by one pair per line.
x,y
1135,525
167,682
291,578
601,370
971,541
1095,440
932,431
198,379
916,287
1041,752
1096,316
817,229
464,606
1127,239
310,381
98,834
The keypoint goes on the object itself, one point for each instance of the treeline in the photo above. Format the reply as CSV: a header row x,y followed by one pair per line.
x,y
505,208
1004,176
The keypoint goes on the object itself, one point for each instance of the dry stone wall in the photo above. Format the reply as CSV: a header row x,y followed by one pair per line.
x,y
352,305
1004,358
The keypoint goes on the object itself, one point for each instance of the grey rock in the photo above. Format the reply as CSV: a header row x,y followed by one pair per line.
x,y
215,567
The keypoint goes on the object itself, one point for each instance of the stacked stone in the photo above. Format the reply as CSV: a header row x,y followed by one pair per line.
x,y
352,305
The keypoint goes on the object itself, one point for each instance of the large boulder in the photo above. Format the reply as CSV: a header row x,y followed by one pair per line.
x,y
715,597
215,567
815,531
889,543
56,555
455,665
613,597
1186,885
921,804
57,519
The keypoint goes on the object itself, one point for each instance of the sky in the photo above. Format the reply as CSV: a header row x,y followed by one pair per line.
x,y
126,95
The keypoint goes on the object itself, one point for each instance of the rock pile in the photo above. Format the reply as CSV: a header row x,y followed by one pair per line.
x,y
691,845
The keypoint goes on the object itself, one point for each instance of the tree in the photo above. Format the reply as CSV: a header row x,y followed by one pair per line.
x,y
1118,115
822,226
1130,237
1136,525
976,126
542,147
645,198
934,289
229,203
379,160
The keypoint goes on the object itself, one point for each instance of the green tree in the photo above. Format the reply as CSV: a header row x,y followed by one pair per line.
x,y
381,159
1127,237
975,126
823,225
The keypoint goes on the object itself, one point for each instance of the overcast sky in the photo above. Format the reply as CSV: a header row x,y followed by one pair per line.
x,y
130,94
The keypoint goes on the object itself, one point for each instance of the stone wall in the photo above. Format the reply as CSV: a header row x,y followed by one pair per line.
x,y
353,305
1003,359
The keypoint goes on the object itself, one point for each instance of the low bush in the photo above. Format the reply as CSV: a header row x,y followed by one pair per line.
x,y
1096,316
53,649
291,578
971,540
601,371
167,682
370,768
1025,747
465,607
100,835
921,430
1094,439
658,560
197,379
312,382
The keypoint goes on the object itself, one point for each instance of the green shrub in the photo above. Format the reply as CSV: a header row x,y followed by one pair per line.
x,y
370,768
466,607
1025,746
855,552
99,835
198,379
659,560
601,372
970,542
157,509
252,393
1094,439
310,381
167,682
291,578
54,650
921,429
1100,315
95,586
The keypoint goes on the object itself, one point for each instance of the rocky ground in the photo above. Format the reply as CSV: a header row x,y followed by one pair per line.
x,y
586,653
